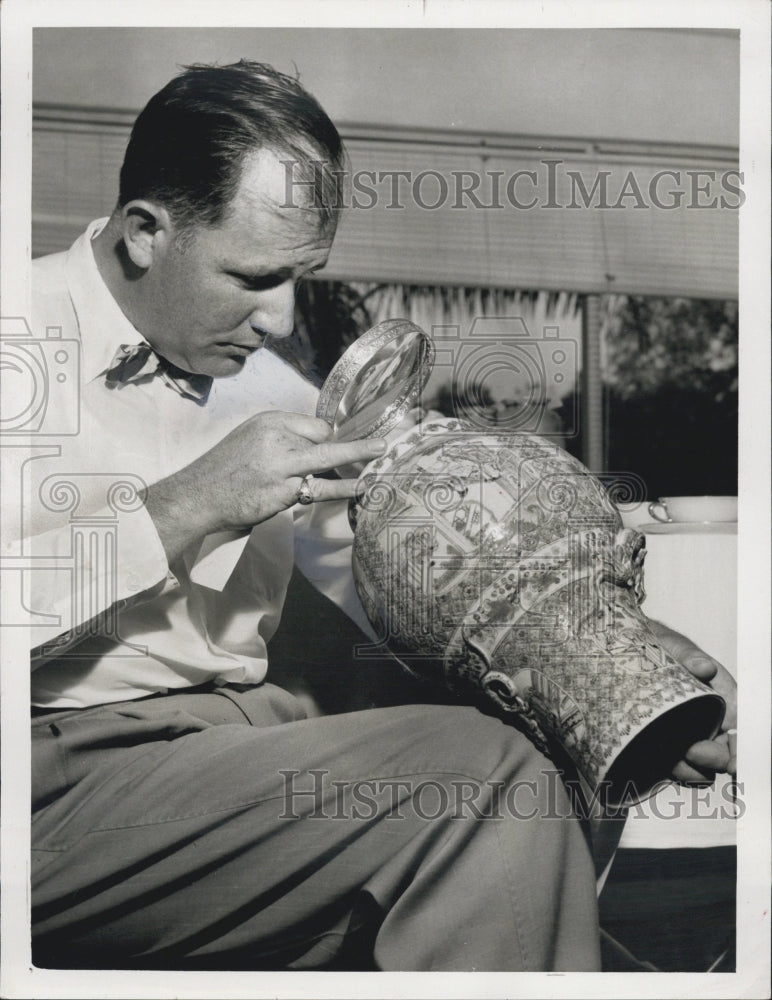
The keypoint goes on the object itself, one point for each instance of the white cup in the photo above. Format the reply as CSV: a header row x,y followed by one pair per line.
x,y
704,509
633,513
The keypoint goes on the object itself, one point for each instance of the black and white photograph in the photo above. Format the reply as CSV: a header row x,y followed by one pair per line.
x,y
385,446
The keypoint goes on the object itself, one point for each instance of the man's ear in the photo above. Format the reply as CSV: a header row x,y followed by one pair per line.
x,y
147,230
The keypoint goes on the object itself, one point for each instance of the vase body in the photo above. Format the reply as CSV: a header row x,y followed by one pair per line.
x,y
496,565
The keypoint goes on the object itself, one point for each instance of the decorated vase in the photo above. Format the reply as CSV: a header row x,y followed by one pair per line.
x,y
496,565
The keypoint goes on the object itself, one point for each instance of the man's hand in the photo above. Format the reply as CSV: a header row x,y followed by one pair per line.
x,y
706,758
252,474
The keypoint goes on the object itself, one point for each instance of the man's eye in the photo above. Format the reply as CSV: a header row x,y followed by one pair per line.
x,y
258,282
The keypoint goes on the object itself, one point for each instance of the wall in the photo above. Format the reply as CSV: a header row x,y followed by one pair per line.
x,y
670,86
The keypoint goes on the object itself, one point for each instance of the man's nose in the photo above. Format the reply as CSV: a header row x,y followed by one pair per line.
x,y
275,313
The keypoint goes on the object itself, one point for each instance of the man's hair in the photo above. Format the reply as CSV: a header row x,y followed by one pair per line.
x,y
188,145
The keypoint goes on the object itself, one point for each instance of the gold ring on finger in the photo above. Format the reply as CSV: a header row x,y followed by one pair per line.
x,y
304,495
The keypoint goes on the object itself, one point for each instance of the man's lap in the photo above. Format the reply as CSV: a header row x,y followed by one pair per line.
x,y
183,831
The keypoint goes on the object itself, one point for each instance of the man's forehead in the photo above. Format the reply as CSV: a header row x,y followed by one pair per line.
x,y
261,212
281,183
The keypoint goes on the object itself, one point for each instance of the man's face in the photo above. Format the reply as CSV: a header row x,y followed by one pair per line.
x,y
212,299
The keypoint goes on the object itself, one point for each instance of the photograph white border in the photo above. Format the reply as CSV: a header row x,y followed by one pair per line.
x,y
752,18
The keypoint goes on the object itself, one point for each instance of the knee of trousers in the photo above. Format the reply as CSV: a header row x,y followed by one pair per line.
x,y
464,740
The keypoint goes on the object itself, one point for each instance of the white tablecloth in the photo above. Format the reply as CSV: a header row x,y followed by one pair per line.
x,y
691,586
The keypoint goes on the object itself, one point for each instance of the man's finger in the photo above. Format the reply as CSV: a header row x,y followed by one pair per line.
x,y
337,454
700,665
311,428
329,489
709,754
731,766
685,774
703,760
689,655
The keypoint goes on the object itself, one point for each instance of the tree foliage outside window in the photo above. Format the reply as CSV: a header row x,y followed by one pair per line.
x,y
653,344
670,378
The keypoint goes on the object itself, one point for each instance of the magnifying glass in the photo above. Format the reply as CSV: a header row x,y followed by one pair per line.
x,y
376,382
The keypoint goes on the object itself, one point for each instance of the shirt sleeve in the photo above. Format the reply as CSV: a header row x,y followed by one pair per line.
x,y
81,574
323,542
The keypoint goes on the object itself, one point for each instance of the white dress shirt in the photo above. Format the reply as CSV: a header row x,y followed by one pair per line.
x,y
125,623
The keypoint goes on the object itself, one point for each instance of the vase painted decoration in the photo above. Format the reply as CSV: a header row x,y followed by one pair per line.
x,y
496,564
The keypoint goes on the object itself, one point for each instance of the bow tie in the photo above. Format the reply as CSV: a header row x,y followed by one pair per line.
x,y
133,362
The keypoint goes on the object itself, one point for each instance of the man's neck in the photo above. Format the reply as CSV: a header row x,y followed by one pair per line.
x,y
118,272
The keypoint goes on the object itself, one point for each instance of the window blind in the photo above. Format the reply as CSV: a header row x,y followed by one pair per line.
x,y
504,211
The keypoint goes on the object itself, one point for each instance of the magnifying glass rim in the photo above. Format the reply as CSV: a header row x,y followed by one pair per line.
x,y
357,357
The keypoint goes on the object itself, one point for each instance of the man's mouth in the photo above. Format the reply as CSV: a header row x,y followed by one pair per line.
x,y
243,350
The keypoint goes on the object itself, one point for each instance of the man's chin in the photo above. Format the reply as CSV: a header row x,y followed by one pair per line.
x,y
225,366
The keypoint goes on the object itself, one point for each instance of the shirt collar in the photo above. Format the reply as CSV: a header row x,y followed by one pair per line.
x,y
103,326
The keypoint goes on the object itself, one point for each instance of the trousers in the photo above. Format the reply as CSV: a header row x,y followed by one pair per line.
x,y
224,830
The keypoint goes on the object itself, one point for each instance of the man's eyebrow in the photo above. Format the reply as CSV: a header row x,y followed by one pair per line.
x,y
264,273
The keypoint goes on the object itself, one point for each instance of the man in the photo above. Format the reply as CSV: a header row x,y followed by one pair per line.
x,y
186,813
